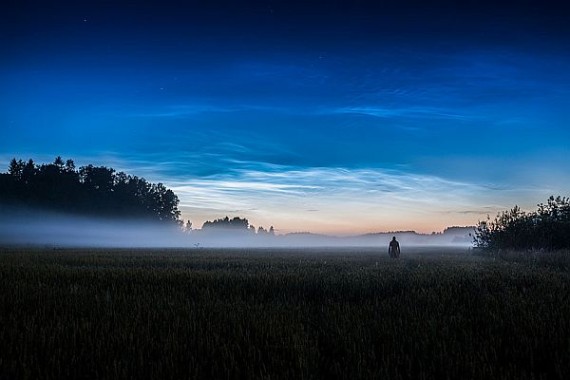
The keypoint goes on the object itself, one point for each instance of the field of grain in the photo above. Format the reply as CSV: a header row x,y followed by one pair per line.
x,y
280,314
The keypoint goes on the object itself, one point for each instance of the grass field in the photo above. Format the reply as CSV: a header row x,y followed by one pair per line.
x,y
280,314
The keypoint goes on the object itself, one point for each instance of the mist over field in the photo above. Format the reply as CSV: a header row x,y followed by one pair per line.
x,y
27,227
47,228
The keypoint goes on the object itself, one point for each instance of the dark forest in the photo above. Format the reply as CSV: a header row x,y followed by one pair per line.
x,y
87,190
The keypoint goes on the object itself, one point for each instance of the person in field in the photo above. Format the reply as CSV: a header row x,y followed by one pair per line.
x,y
394,248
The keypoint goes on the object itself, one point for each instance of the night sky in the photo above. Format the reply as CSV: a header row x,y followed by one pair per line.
x,y
339,117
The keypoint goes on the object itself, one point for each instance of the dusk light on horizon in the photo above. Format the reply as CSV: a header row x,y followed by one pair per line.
x,y
338,118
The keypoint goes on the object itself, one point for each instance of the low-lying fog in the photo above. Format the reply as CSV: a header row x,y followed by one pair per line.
x,y
56,230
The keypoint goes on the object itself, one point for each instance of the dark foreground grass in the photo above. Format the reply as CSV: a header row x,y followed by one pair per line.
x,y
279,314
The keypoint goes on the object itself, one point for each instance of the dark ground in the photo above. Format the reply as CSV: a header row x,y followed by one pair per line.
x,y
281,314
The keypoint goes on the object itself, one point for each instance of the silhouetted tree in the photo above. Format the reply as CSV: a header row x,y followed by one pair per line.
x,y
16,168
58,162
70,165
547,228
29,171
236,224
91,190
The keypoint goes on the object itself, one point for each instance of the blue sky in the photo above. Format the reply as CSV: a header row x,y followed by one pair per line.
x,y
339,118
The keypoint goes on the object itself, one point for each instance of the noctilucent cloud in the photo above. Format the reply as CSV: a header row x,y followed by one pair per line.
x,y
335,117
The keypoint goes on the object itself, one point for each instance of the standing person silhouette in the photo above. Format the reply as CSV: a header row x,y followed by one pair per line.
x,y
394,248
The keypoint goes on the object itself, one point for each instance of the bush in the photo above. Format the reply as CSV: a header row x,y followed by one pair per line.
x,y
548,228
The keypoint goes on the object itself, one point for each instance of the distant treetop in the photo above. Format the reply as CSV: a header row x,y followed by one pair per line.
x,y
235,223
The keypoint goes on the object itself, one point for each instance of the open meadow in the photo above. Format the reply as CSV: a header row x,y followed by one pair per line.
x,y
281,314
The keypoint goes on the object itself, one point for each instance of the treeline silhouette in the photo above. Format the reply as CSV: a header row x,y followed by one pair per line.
x,y
89,190
235,224
546,228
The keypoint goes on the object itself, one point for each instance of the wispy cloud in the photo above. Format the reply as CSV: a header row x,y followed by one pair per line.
x,y
398,112
180,111
356,199
212,107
